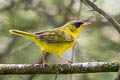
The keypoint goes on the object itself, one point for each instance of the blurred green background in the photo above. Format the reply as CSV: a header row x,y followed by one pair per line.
x,y
97,42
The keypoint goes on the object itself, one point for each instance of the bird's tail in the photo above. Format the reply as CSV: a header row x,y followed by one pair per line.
x,y
22,33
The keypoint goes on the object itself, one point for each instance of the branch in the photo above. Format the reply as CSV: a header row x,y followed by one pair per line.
x,y
87,67
105,14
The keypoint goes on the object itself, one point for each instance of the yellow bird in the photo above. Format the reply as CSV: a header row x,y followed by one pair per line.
x,y
55,40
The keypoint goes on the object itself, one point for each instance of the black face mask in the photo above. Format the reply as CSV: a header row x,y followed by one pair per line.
x,y
77,24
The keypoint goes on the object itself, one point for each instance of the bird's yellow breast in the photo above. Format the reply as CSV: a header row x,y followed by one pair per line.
x,y
53,47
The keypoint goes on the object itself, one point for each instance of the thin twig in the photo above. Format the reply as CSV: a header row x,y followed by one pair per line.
x,y
111,19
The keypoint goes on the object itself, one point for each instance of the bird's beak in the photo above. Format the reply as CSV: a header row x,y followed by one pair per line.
x,y
86,23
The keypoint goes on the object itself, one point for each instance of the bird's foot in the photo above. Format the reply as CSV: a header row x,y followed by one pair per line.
x,y
44,63
70,62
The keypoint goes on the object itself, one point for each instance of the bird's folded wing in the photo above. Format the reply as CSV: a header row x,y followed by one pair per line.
x,y
56,35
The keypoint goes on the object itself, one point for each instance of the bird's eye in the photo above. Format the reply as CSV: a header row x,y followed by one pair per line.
x,y
77,24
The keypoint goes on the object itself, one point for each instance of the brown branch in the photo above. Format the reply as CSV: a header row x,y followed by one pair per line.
x,y
105,14
87,67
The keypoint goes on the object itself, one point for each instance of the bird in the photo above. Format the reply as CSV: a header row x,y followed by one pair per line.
x,y
55,40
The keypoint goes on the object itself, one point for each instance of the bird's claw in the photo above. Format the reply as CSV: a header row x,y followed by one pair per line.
x,y
44,64
70,62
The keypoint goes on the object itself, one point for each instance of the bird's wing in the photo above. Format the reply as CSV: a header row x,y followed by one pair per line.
x,y
56,35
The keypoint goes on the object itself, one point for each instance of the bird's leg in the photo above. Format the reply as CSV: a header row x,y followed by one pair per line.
x,y
44,62
59,55
70,62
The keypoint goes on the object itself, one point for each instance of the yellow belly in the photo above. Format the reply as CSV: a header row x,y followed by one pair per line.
x,y
53,47
57,47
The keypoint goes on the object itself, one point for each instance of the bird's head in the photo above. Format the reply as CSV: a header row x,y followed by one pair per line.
x,y
75,26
